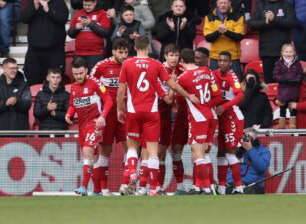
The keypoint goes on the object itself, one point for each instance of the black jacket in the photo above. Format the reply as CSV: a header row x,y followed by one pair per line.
x,y
46,30
182,38
46,120
14,117
273,35
256,109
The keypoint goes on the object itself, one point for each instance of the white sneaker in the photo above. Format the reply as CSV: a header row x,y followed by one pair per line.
x,y
142,191
124,189
106,193
221,190
238,190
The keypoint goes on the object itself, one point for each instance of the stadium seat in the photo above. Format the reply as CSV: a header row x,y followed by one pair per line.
x,y
249,50
200,41
199,28
32,122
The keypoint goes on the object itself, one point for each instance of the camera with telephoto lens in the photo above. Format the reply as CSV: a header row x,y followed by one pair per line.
x,y
246,138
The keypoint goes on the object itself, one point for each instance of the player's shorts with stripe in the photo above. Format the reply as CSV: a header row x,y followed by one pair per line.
x,y
143,126
231,125
199,132
89,135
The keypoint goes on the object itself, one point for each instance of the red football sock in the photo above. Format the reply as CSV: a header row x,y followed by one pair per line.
x,y
96,178
126,175
162,171
87,171
236,174
143,178
194,174
178,170
222,172
132,164
154,178
104,178
202,175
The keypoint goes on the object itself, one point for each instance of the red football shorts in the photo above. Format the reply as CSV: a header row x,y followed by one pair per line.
x,y
199,132
231,125
89,136
143,126
114,130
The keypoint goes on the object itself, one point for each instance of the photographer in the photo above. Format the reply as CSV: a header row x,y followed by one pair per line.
x,y
255,161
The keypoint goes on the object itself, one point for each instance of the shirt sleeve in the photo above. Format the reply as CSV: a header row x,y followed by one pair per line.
x,y
163,74
71,110
105,97
122,76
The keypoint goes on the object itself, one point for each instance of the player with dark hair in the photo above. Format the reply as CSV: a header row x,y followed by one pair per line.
x,y
92,103
201,56
231,123
107,71
139,79
200,81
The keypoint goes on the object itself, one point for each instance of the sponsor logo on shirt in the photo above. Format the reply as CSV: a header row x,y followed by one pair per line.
x,y
82,101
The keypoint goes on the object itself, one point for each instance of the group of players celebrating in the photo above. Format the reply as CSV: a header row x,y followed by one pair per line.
x,y
131,100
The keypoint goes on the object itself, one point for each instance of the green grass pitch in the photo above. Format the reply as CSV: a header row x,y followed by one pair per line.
x,y
264,209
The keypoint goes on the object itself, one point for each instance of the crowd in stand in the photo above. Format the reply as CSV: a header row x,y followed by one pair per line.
x,y
280,26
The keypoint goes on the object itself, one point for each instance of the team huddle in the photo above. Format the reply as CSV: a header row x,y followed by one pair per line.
x,y
132,101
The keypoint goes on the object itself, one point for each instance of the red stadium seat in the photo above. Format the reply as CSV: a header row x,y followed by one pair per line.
x,y
32,122
199,41
199,28
70,47
249,50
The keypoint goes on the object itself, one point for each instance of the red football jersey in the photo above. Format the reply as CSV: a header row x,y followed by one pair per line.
x,y
141,76
201,83
88,100
228,83
88,42
107,71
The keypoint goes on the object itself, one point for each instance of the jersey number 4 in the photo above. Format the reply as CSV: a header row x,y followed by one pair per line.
x,y
143,84
204,92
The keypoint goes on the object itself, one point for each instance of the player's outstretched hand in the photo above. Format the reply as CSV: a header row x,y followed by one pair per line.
x,y
121,116
68,120
194,99
100,122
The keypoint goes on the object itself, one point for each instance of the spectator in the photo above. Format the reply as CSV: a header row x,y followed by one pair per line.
x,y
6,17
110,6
128,28
201,56
241,6
176,26
255,161
300,106
274,19
224,29
288,72
299,34
15,98
51,103
46,37
255,106
90,26
143,14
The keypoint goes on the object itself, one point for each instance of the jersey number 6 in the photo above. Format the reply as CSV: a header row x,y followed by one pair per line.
x,y
142,83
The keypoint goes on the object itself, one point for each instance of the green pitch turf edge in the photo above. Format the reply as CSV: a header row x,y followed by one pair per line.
x,y
263,209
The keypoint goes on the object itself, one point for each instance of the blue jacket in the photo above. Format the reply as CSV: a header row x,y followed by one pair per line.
x,y
254,165
300,10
